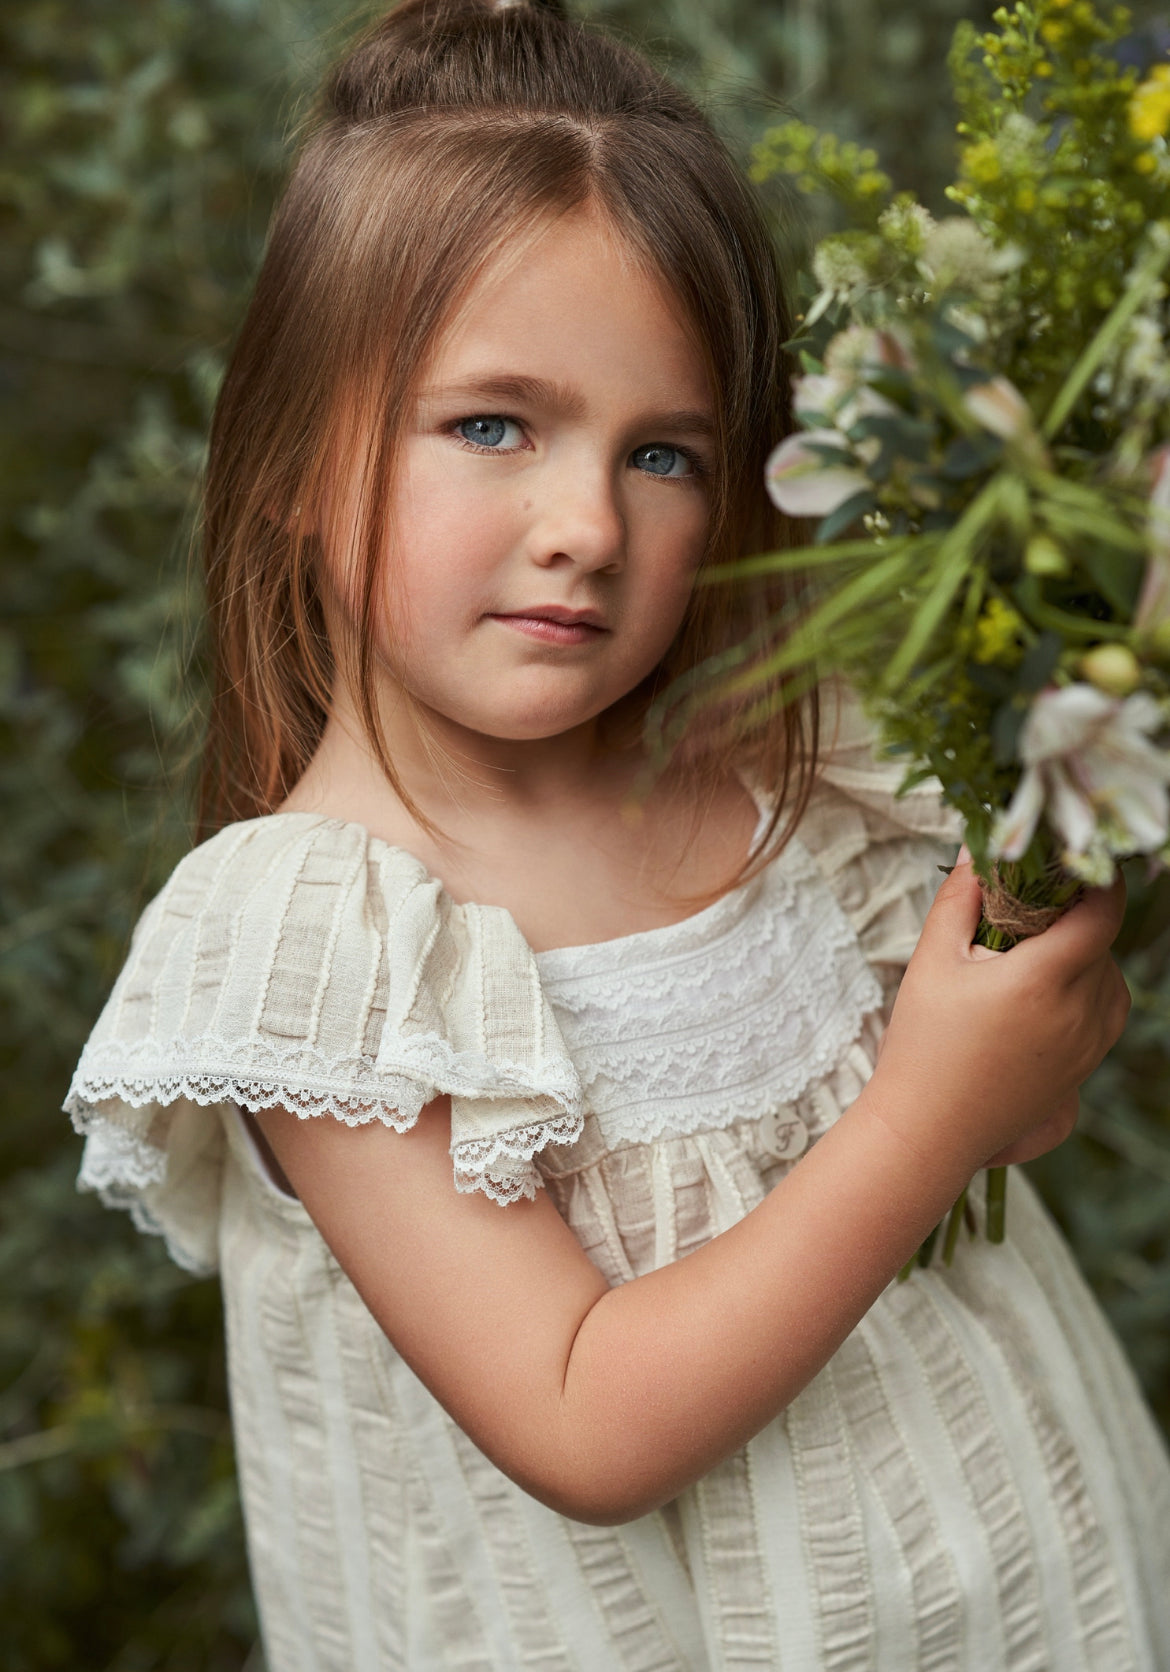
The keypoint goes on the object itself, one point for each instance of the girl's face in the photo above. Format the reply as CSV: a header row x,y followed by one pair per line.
x,y
552,498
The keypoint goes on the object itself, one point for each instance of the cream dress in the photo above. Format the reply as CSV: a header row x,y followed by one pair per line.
x,y
972,1484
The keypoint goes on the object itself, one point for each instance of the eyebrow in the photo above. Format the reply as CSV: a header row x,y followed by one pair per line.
x,y
539,391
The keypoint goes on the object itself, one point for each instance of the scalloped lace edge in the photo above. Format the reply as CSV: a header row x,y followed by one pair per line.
x,y
425,1059
126,1163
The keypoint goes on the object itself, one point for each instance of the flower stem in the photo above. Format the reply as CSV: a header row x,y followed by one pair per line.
x,y
954,1224
996,1203
927,1249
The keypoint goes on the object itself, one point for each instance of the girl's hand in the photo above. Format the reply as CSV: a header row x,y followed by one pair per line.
x,y
1047,1136
985,1050
1051,1133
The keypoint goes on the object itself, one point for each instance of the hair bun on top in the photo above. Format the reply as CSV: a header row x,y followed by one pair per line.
x,y
447,52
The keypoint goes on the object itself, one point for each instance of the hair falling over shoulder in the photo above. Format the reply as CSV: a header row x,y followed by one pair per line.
x,y
452,127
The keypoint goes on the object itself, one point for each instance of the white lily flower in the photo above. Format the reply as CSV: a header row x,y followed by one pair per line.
x,y
805,483
1091,769
1154,604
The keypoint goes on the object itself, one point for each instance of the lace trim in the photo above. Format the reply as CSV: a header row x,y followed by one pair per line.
x,y
400,1111
119,1160
144,1072
725,1027
118,1167
362,1088
476,1159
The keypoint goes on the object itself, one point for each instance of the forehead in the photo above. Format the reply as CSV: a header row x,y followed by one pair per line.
x,y
573,303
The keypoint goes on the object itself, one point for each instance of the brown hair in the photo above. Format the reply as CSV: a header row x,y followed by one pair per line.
x,y
453,126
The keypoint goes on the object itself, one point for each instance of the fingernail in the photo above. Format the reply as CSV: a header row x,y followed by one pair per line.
x,y
964,857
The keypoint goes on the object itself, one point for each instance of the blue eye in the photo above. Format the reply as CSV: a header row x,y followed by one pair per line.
x,y
488,430
659,460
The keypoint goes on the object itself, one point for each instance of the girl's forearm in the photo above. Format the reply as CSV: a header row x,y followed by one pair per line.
x,y
671,1373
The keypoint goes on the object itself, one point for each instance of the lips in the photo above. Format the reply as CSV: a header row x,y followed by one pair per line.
x,y
555,612
553,623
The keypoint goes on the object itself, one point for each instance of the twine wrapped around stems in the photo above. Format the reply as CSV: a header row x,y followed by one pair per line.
x,y
1014,917
1011,916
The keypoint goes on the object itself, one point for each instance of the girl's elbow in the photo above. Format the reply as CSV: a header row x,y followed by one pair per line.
x,y
599,1496
604,1508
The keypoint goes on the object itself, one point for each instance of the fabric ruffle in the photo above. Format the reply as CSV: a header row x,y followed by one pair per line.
x,y
880,852
299,961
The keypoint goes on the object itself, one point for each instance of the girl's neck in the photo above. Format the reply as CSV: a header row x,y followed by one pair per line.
x,y
457,778
547,828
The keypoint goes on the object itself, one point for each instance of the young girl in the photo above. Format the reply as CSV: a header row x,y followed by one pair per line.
x,y
544,1147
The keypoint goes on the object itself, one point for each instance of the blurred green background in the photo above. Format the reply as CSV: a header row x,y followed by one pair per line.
x,y
143,143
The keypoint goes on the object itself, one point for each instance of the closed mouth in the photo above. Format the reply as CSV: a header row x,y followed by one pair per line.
x,y
552,624
556,613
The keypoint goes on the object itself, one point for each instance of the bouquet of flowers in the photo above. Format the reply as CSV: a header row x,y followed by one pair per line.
x,y
984,402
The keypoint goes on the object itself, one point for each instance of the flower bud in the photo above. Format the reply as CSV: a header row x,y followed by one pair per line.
x,y
1042,556
1112,668
1000,408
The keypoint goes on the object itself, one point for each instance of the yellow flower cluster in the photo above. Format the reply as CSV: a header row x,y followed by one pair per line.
x,y
1149,108
997,633
819,161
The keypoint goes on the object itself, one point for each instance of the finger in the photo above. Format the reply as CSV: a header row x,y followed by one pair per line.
x,y
1084,931
955,912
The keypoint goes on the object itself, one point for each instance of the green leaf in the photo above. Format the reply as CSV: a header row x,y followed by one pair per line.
x,y
970,455
1039,662
1006,724
1116,575
812,637
808,557
855,507
907,437
953,561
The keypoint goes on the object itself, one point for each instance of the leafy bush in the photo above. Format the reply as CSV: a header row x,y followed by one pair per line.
x,y
144,141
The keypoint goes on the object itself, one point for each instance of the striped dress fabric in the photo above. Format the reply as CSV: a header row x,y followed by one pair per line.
x,y
972,1484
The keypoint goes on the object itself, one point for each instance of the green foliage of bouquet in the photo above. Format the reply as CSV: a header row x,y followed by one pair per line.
x,y
984,405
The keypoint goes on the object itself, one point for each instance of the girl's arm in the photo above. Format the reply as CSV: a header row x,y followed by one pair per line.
x,y
606,1403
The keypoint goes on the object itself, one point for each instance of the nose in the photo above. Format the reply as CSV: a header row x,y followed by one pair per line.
x,y
577,519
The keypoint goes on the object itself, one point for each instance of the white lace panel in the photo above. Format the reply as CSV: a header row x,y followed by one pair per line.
x,y
725,1016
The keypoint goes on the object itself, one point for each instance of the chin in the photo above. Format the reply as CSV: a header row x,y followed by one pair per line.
x,y
534,729
535,722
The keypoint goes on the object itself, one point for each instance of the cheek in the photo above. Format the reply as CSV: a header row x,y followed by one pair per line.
x,y
672,553
437,556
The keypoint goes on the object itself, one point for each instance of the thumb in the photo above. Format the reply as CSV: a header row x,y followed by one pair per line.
x,y
954,916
